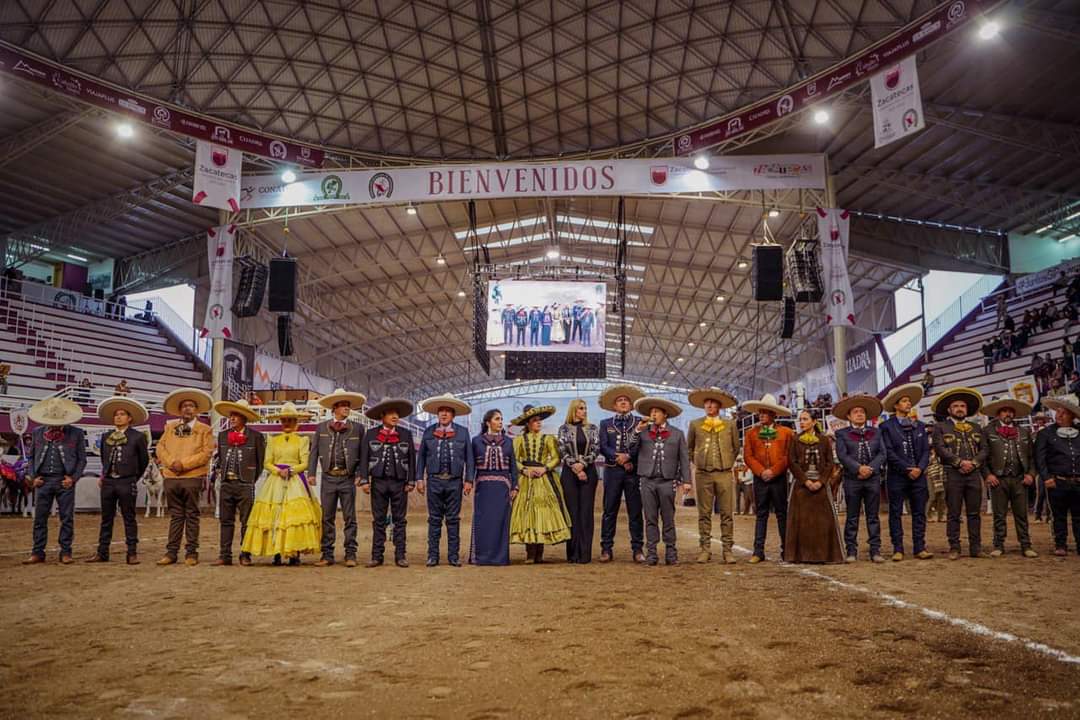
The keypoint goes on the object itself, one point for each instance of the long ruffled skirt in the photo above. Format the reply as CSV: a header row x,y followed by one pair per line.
x,y
284,520
539,515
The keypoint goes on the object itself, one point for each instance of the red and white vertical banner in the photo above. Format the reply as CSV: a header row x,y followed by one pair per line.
x,y
897,102
217,176
220,243
833,228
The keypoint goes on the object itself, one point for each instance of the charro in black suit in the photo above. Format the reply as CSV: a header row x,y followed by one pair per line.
x,y
124,457
239,465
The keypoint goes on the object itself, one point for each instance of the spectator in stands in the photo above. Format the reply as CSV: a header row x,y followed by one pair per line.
x,y
1030,320
1037,371
122,388
1002,310
122,310
1046,316
1057,378
927,381
988,357
1071,315
1076,352
147,315
1067,354
1010,324
254,399
5,370
83,395
1074,383
783,400
1073,293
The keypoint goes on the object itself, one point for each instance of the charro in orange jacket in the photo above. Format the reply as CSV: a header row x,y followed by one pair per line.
x,y
761,455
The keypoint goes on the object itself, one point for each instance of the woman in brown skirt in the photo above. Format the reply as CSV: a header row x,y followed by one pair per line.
x,y
813,530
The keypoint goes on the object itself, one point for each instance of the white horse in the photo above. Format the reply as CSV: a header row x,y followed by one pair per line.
x,y
155,489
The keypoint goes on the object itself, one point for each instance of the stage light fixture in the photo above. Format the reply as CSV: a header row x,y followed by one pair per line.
x,y
125,130
703,324
989,30
440,260
461,293
721,298
774,213
821,117
288,177
701,162
411,209
742,265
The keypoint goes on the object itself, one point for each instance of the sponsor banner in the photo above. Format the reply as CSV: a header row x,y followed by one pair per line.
x,y
149,111
833,228
273,373
897,102
1024,389
238,378
217,176
862,368
220,242
505,180
902,44
1033,281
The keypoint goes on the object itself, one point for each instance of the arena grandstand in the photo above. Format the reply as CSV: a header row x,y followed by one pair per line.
x,y
738,235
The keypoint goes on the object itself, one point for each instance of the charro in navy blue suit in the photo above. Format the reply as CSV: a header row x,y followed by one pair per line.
x,y
907,448
620,482
446,455
856,447
56,454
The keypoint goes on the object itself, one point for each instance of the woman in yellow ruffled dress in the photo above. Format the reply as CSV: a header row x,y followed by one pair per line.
x,y
286,520
539,516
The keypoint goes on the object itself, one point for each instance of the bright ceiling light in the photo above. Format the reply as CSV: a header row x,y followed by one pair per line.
x,y
680,359
742,265
461,293
774,213
670,372
440,260
80,258
125,130
989,30
411,209
703,323
821,117
553,253
720,298
690,344
288,177
701,162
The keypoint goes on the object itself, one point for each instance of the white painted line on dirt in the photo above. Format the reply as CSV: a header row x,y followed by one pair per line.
x,y
970,626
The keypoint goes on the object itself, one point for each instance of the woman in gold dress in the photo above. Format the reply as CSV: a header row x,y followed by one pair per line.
x,y
539,516
286,519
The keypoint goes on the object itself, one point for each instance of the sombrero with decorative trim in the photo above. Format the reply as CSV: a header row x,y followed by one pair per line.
x,y
433,404
242,407
1019,407
55,411
355,400
645,405
1068,403
973,398
767,402
530,411
134,408
869,403
201,398
613,392
698,397
288,411
403,407
914,391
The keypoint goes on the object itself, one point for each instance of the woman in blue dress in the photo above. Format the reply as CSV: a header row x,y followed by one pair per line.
x,y
495,485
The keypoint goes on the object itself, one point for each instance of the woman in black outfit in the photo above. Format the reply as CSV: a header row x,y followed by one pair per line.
x,y
578,443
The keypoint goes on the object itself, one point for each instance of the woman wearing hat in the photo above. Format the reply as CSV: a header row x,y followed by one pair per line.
x,y
183,452
124,458
496,481
239,462
286,519
539,516
1057,457
578,441
57,461
813,529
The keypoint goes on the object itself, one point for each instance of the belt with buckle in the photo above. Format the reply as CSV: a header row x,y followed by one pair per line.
x,y
445,476
338,472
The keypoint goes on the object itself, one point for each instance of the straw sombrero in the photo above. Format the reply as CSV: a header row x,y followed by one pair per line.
x,y
1019,407
202,399
973,398
355,400
287,411
403,407
541,411
613,392
55,411
646,404
1069,403
227,408
869,403
767,402
134,408
914,391
433,404
698,397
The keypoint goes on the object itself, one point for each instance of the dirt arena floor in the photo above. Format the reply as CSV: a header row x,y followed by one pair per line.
x,y
937,639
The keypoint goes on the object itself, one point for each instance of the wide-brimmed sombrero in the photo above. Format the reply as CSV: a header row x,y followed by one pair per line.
x,y
403,407
541,411
1068,403
973,398
355,400
869,403
767,402
55,411
433,404
289,411
1019,407
613,392
227,408
646,404
913,391
201,398
134,408
698,397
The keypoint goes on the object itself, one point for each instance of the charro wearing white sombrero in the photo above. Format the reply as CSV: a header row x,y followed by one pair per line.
x,y
183,452
620,472
336,448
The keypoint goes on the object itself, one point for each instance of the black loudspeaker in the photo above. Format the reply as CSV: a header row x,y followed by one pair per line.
x,y
787,330
251,289
282,296
768,272
284,335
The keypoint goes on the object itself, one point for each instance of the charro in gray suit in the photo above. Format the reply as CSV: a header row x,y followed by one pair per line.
x,y
663,461
336,446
